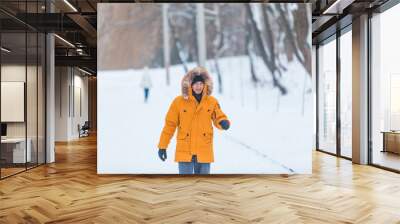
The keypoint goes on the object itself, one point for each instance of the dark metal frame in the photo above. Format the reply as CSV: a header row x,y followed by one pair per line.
x,y
316,97
338,98
26,88
0,88
45,90
369,83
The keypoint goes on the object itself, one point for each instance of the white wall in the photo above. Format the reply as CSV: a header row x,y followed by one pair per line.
x,y
61,103
79,112
70,83
12,73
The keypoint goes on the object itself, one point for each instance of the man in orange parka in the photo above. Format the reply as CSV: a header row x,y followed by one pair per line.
x,y
192,113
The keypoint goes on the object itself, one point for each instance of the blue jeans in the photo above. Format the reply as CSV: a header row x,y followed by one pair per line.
x,y
146,94
194,166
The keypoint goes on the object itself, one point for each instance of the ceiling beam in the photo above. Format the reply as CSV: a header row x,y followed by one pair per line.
x,y
84,24
82,61
337,6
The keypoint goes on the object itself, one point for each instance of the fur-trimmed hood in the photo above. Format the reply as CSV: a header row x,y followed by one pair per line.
x,y
187,82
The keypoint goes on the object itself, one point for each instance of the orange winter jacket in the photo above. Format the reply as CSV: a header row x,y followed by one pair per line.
x,y
193,120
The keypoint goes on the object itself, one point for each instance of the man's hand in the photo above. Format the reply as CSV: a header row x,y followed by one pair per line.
x,y
162,153
224,124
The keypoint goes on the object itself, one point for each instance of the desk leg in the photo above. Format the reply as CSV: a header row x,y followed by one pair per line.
x,y
384,142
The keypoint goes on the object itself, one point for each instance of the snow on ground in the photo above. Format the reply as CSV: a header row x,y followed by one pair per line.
x,y
269,133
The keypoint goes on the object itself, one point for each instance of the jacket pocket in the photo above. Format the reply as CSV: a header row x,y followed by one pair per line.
x,y
182,143
207,137
182,135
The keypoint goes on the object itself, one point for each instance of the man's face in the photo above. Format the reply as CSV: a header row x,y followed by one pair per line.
x,y
198,87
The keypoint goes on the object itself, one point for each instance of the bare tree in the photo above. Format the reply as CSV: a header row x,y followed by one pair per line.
x,y
166,34
219,45
298,42
269,62
178,46
249,52
201,34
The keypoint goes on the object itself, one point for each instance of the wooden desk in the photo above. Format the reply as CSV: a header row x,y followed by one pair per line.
x,y
391,141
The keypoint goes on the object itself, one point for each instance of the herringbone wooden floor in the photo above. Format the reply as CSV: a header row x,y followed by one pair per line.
x,y
70,191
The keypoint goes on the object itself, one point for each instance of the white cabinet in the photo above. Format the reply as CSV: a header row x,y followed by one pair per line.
x,y
18,146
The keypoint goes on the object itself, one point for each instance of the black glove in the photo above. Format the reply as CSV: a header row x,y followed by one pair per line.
x,y
162,153
224,124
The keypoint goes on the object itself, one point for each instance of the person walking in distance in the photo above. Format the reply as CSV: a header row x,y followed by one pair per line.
x,y
193,113
146,83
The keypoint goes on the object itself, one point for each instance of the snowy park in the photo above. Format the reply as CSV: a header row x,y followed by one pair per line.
x,y
261,79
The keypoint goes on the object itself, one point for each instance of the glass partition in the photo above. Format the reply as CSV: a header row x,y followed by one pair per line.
x,y
41,88
22,91
385,89
327,96
14,153
32,95
346,94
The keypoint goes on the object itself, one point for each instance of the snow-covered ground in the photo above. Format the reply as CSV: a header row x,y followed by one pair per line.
x,y
269,134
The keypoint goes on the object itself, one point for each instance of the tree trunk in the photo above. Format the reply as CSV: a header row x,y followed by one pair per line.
x,y
302,57
218,47
178,45
254,78
201,34
264,56
167,54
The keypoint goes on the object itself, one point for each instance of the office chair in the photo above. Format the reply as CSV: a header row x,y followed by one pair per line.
x,y
84,130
